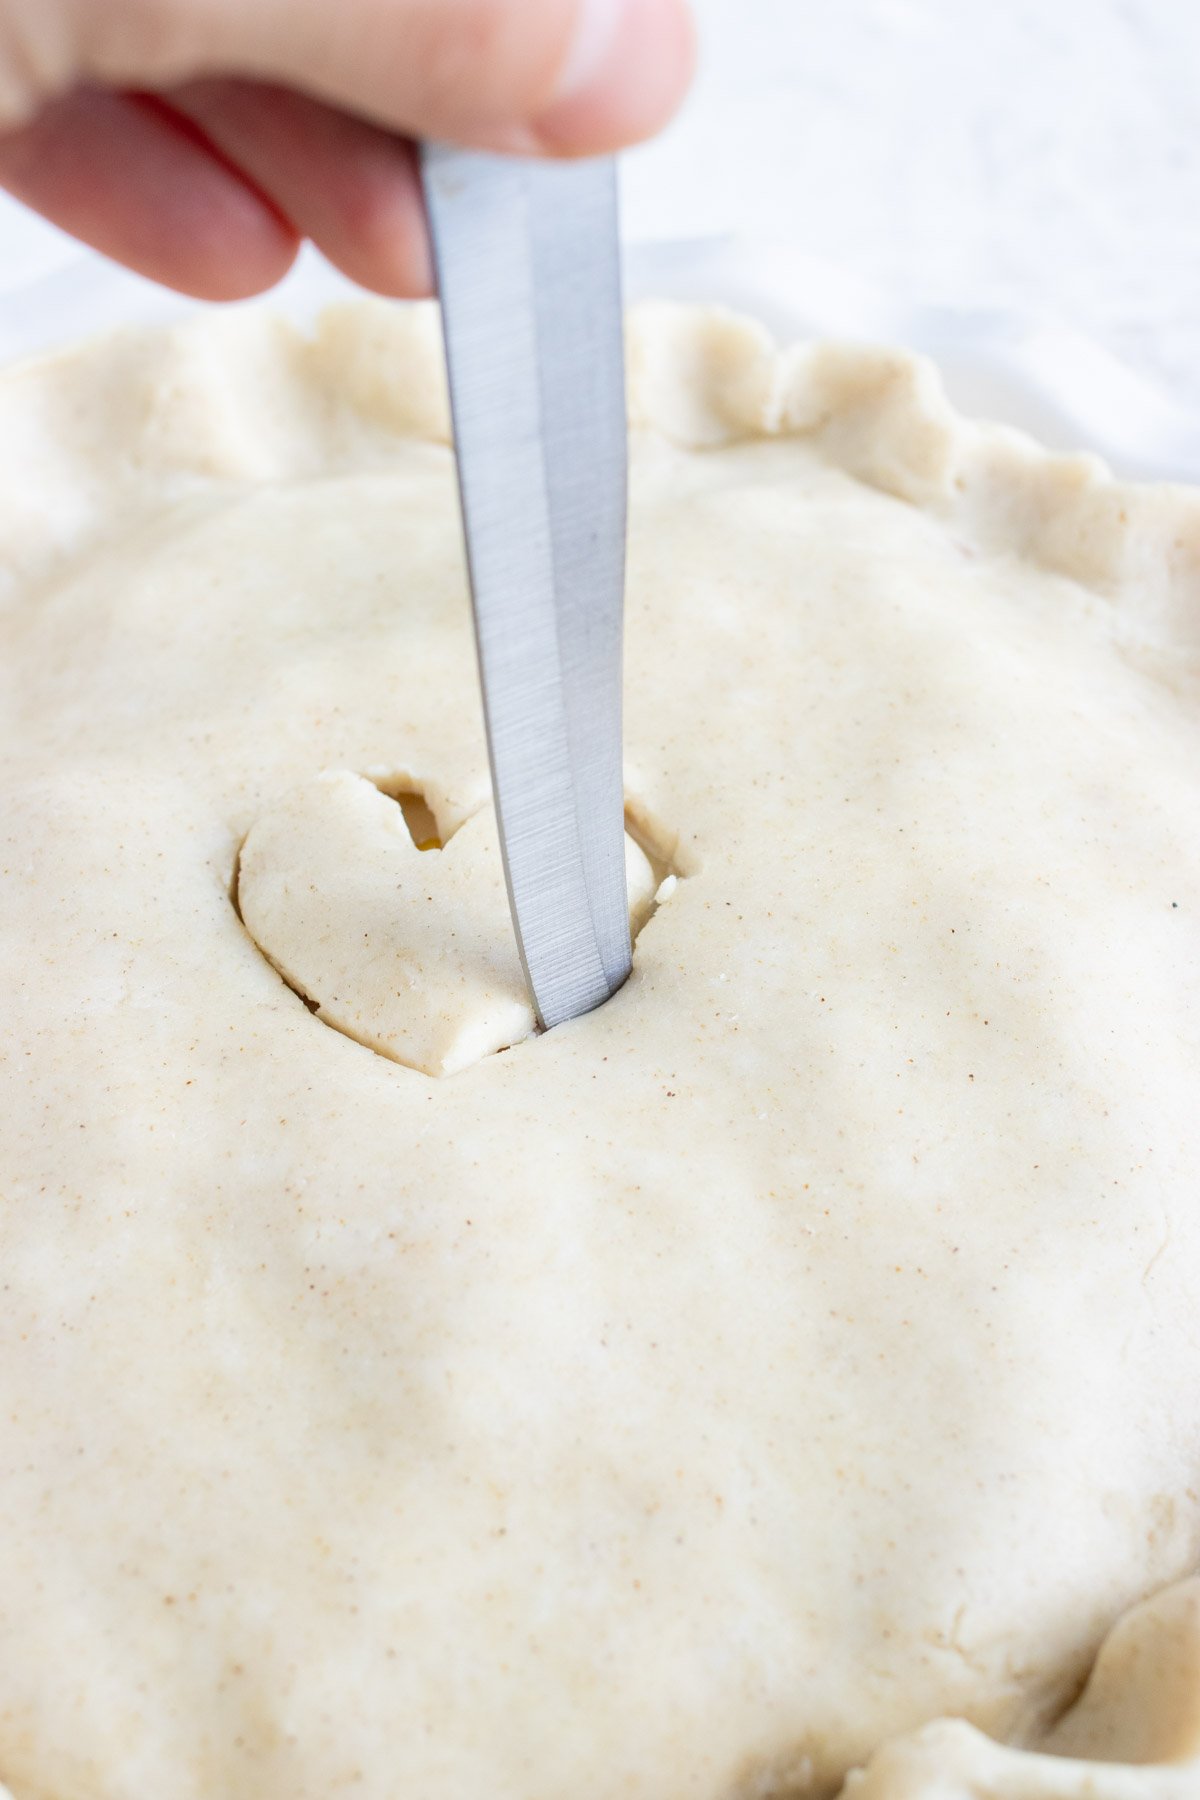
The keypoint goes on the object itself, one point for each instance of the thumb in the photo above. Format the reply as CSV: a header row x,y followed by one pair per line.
x,y
563,76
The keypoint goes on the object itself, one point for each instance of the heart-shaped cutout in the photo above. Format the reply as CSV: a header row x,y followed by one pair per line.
x,y
411,952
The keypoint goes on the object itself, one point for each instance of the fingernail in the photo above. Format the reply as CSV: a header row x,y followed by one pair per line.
x,y
591,56
625,72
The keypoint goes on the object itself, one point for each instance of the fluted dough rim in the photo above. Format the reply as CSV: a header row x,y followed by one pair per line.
x,y
1133,1734
246,394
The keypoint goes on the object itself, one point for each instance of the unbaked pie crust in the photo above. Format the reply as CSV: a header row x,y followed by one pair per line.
x,y
792,1368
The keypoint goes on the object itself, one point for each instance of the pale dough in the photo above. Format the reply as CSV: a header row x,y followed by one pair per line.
x,y
415,958
701,1400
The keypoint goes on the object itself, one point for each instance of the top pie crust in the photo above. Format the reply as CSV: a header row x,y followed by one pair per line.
x,y
791,1368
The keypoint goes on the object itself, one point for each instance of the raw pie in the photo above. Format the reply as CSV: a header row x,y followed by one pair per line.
x,y
792,1368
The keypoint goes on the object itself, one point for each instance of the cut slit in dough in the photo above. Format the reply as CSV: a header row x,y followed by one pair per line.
x,y
706,1400
409,952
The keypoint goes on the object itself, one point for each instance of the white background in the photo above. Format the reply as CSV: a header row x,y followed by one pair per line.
x,y
1039,154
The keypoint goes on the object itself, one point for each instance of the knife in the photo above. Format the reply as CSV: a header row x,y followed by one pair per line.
x,y
528,269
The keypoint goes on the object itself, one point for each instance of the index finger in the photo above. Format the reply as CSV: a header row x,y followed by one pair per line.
x,y
563,76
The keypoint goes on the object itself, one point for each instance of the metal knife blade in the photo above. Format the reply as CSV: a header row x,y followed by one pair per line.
x,y
529,274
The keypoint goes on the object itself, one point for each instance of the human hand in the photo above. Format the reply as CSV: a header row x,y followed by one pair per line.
x,y
199,141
